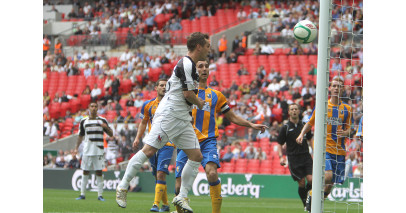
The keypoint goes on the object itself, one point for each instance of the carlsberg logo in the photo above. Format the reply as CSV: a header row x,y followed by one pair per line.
x,y
92,185
227,188
350,193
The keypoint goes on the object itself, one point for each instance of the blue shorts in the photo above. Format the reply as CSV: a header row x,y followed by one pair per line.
x,y
336,164
161,160
208,148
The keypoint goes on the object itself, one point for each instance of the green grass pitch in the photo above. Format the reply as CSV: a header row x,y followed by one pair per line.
x,y
58,200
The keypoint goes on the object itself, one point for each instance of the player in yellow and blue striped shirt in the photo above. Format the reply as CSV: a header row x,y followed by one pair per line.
x,y
204,122
161,160
339,120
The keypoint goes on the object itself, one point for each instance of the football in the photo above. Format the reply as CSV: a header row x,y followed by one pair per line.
x,y
305,31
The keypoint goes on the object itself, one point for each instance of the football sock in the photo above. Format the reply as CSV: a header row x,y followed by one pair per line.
x,y
133,166
100,184
159,191
189,174
215,194
84,184
165,197
302,194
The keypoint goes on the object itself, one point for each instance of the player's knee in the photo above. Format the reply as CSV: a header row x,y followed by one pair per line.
x,y
149,151
212,175
301,183
160,175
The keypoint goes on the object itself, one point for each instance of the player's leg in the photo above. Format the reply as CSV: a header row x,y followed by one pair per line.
x,y
298,173
133,167
336,174
211,163
190,170
85,166
188,142
154,164
181,160
100,184
164,159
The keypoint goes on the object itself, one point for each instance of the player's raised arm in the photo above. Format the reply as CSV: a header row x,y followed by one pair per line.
x,y
231,116
307,127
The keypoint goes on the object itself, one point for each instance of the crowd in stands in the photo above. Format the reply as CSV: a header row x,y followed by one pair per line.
x,y
122,84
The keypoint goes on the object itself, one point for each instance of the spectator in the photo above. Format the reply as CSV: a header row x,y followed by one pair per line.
x,y
227,156
212,66
296,82
267,49
163,75
260,154
124,148
260,35
296,49
242,70
312,49
58,47
214,82
235,43
232,58
126,55
313,70
250,136
96,92
253,14
222,45
61,163
138,102
257,49
237,151
51,129
222,59
51,164
87,72
174,26
72,14
74,162
115,85
250,153
45,46
241,15
274,86
240,50
336,67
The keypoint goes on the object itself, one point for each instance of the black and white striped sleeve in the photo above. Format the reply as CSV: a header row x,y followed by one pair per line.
x,y
184,71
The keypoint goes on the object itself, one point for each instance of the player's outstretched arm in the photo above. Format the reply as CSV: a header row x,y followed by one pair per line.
x,y
307,127
107,129
140,132
231,116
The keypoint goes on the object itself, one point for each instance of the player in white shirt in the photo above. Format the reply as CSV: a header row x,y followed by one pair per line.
x,y
172,122
91,128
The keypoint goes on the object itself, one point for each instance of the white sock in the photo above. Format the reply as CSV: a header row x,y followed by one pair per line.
x,y
189,174
100,184
132,168
84,183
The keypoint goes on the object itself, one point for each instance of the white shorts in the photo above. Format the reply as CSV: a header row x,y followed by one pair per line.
x,y
168,128
92,163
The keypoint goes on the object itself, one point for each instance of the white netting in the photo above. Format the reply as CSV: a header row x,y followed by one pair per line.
x,y
346,61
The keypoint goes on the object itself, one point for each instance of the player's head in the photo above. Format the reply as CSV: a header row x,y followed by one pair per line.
x,y
199,43
336,86
294,110
203,70
93,108
160,86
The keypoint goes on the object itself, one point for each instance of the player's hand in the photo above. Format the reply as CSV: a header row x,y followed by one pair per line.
x,y
201,103
339,133
299,139
282,161
135,143
260,127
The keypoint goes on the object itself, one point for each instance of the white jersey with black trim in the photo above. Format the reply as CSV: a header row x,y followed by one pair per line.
x,y
184,77
93,135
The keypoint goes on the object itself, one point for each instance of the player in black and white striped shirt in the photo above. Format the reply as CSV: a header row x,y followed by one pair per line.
x,y
92,128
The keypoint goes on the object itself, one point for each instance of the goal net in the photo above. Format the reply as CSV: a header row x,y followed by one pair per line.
x,y
346,61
